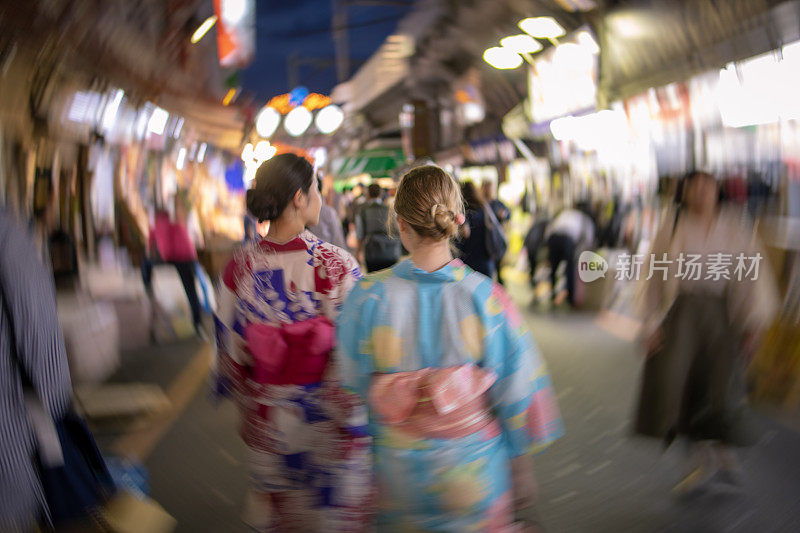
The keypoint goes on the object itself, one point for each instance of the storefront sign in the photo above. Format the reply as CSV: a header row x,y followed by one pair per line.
x,y
564,79
236,36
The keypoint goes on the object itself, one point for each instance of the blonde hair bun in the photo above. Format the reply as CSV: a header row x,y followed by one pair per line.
x,y
429,199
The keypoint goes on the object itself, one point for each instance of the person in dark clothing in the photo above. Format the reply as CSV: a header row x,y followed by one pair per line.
x,y
501,212
570,230
472,244
380,249
533,241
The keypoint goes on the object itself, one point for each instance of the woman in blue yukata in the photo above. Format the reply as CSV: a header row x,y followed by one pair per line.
x,y
309,466
458,395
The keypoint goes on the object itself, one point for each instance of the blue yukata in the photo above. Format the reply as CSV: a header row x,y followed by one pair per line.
x,y
453,341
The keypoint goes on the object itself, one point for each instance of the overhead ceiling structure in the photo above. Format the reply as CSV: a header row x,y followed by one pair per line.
x,y
143,47
447,40
646,44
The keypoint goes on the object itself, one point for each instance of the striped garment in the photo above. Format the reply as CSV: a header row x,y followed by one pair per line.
x,y
29,307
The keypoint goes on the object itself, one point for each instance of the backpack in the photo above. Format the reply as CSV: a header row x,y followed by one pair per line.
x,y
379,246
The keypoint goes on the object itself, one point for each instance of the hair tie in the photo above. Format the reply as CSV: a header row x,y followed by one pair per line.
x,y
460,219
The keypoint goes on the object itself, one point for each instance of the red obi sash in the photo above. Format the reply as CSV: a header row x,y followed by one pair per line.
x,y
291,354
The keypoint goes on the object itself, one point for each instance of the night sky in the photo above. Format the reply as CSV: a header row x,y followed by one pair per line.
x,y
303,26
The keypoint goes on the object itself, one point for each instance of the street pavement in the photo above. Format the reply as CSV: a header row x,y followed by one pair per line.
x,y
597,478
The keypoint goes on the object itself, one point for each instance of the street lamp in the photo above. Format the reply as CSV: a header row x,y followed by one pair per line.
x,y
267,121
329,118
297,121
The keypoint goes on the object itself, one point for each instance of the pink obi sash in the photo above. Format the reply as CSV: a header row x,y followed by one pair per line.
x,y
292,354
437,403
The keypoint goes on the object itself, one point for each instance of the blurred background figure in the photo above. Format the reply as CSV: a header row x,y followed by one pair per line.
x,y
377,244
501,213
33,360
472,243
170,243
699,329
570,232
329,227
533,243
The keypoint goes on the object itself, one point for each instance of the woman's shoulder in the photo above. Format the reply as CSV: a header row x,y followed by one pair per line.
x,y
337,262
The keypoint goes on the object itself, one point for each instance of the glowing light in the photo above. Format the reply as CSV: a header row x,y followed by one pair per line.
x,y
267,121
573,57
181,159
502,58
111,110
263,151
329,119
297,121
542,27
201,152
178,128
142,117
474,112
247,153
233,11
201,30
521,44
586,40
229,97
158,121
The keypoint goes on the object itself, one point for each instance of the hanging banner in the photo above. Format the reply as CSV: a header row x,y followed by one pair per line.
x,y
236,34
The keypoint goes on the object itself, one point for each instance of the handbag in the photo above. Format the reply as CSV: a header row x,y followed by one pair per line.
x,y
496,241
75,481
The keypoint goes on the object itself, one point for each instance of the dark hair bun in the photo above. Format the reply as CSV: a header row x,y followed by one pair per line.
x,y
261,206
276,184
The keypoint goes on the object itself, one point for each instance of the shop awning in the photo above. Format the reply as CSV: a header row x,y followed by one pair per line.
x,y
377,163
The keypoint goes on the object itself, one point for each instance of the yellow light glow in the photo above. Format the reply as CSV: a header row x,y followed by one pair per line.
x,y
229,97
521,44
542,27
502,58
203,28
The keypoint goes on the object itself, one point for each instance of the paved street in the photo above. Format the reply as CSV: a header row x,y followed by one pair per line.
x,y
596,479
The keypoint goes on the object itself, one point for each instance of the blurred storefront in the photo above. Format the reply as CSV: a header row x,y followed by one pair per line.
x,y
96,142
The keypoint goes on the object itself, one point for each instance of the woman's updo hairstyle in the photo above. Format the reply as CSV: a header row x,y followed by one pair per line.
x,y
429,200
276,183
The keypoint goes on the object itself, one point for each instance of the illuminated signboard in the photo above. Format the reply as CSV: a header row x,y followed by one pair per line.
x,y
236,39
564,80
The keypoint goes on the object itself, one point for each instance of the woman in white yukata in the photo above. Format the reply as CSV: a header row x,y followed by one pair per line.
x,y
309,466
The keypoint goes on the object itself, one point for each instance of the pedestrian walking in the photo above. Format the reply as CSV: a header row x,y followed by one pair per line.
x,y
306,453
698,326
458,395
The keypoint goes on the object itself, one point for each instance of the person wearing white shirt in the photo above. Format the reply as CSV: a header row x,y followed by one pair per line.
x,y
570,230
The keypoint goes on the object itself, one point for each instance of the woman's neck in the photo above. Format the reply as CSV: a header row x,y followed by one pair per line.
x,y
432,256
282,230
